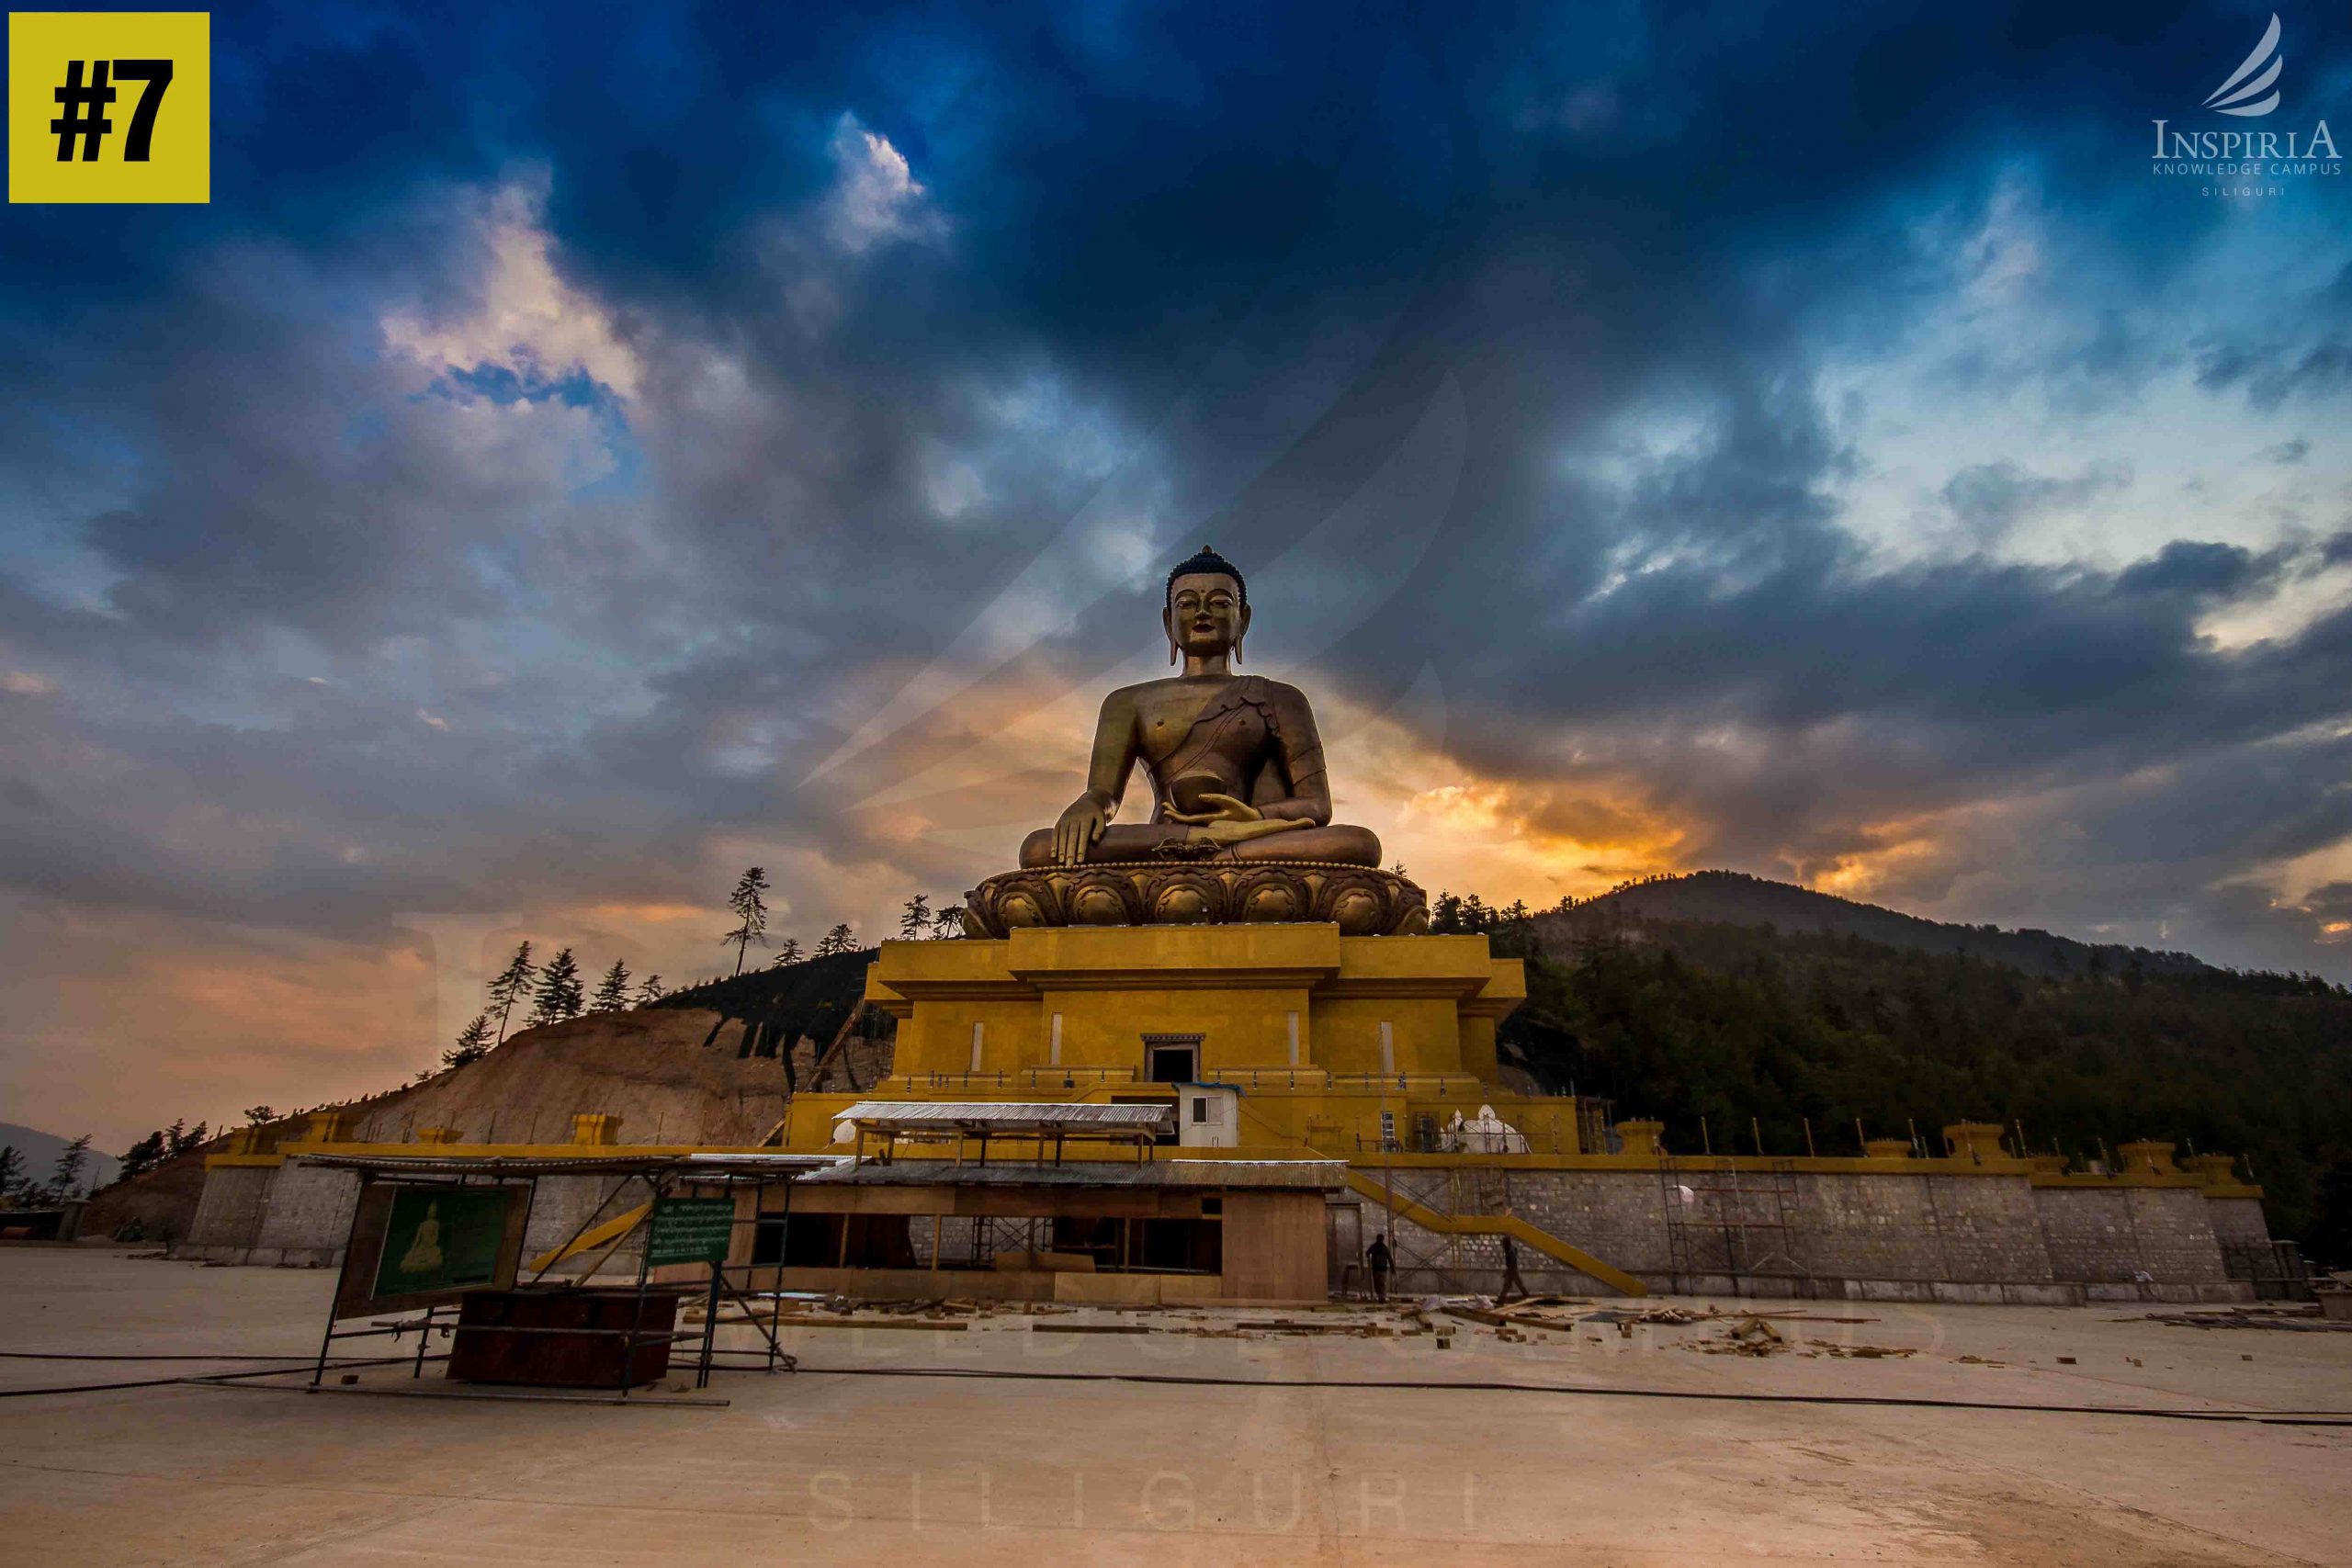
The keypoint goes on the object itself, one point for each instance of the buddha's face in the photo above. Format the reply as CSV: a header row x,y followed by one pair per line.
x,y
1205,615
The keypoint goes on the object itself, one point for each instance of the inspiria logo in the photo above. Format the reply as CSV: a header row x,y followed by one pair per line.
x,y
2237,96
2251,159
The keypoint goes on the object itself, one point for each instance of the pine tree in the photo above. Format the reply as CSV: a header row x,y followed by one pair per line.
x,y
788,955
948,922
838,939
915,918
12,1171
512,984
474,1043
612,991
559,996
750,906
137,1160
176,1138
256,1114
65,1178
649,989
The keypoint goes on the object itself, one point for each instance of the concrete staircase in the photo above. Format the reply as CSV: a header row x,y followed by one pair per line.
x,y
1444,1224
1511,1225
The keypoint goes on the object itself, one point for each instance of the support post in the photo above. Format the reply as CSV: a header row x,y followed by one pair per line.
x,y
644,1269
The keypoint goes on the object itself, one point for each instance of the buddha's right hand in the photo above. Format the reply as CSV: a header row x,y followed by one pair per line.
x,y
1078,828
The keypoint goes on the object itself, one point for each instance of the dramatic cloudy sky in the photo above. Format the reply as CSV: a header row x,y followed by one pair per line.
x,y
581,452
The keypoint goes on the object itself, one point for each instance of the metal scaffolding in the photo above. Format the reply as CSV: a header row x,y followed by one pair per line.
x,y
1735,1219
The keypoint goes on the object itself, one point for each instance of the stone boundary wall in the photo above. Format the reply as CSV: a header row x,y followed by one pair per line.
x,y
1900,1235
2130,1237
228,1213
2237,1219
298,1216
1921,1234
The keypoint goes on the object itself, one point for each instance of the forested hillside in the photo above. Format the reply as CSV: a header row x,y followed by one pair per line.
x,y
1681,1020
1736,898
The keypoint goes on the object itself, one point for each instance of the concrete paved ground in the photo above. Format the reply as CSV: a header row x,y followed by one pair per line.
x,y
837,1465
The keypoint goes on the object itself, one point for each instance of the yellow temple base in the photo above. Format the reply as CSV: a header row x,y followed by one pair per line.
x,y
1346,1047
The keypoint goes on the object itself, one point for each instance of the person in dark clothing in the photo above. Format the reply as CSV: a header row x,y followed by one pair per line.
x,y
1513,1286
1382,1261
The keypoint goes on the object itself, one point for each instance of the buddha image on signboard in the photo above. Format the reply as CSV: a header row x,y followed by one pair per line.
x,y
423,1254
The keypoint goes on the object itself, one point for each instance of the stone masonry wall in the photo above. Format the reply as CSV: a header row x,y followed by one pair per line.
x,y
309,1208
228,1215
1972,1229
300,1214
1898,1233
2237,1219
2111,1235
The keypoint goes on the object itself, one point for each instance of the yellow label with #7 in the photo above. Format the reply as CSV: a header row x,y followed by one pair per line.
x,y
109,105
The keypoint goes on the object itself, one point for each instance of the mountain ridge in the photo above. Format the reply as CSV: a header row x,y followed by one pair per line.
x,y
1732,897
40,1150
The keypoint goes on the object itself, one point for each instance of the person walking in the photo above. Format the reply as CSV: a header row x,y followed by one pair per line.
x,y
1382,1261
1513,1286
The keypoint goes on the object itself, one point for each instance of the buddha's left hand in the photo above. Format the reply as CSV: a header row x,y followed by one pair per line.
x,y
1232,821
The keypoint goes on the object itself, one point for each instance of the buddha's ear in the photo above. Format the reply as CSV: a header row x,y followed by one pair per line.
x,y
1168,624
1239,636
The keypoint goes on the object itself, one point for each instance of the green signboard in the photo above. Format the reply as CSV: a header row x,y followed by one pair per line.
x,y
690,1230
442,1238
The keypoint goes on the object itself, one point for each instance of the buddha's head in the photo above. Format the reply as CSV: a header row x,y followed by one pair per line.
x,y
1207,611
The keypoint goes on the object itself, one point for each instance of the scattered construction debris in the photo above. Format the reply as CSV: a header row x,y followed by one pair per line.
x,y
1534,1320
806,1320
1749,1335
2298,1319
1754,1334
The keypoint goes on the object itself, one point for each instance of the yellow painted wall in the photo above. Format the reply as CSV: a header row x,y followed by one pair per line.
x,y
1238,988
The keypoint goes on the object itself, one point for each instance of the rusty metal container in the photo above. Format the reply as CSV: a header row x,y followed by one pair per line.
x,y
562,1339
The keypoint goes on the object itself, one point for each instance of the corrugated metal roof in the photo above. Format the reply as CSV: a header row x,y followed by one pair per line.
x,y
620,1163
993,1113
1314,1175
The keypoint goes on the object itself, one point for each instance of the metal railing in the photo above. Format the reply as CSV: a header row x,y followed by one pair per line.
x,y
1551,1136
1269,1077
999,1079
1424,1083
1022,1077
1075,1077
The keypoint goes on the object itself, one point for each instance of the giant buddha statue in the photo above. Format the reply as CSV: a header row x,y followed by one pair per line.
x,y
1241,828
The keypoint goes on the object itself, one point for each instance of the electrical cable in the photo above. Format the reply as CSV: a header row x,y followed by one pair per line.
x,y
304,1356
2259,1417
200,1381
2254,1418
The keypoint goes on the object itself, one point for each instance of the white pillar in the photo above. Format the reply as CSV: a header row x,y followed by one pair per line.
x,y
1055,1057
979,1029
1293,1023
1387,1048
